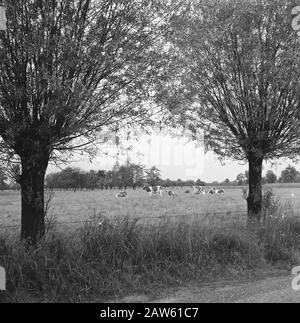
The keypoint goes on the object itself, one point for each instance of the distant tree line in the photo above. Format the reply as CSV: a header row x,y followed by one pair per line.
x,y
126,176
288,175
76,179
133,175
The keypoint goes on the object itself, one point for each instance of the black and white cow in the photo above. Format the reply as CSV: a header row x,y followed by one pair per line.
x,y
198,189
215,191
121,194
170,193
153,190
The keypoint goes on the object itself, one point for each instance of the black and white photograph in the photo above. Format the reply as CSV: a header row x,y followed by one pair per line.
x,y
149,154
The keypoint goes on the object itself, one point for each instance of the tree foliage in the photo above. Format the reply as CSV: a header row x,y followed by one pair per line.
x,y
128,175
271,177
153,176
290,175
70,68
240,69
240,179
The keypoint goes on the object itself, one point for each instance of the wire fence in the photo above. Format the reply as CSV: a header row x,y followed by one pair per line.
x,y
162,217
204,216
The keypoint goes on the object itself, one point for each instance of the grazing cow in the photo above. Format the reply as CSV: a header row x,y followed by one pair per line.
x,y
153,190
215,191
121,194
198,189
170,193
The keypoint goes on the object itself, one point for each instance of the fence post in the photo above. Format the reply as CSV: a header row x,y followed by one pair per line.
x,y
2,279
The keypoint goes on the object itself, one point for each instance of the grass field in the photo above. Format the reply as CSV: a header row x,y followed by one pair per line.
x,y
101,262
82,205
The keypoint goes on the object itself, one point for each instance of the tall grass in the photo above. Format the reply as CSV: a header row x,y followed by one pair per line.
x,y
118,257
280,230
108,258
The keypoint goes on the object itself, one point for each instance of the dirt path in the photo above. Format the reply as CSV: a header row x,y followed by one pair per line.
x,y
272,290
276,289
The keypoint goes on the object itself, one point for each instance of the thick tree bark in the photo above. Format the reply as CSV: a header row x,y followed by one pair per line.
x,y
32,197
254,200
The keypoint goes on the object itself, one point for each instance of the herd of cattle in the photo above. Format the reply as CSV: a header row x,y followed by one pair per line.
x,y
159,190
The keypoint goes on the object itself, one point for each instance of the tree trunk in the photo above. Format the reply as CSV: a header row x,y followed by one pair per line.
x,y
32,197
254,200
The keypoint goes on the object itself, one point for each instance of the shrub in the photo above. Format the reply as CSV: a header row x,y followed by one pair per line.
x,y
271,204
280,240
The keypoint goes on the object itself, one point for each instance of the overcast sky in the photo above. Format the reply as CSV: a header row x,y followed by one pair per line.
x,y
176,158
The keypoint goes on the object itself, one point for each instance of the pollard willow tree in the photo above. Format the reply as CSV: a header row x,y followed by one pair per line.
x,y
69,70
238,78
